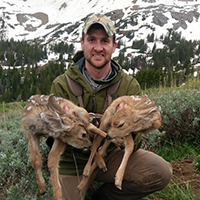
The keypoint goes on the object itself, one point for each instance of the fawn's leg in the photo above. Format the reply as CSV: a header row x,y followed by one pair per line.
x,y
89,167
97,141
95,145
53,162
102,149
36,160
129,145
84,181
100,154
98,160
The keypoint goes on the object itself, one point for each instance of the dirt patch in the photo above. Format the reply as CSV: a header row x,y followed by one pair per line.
x,y
184,171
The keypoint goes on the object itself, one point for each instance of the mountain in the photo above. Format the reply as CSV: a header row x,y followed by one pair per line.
x,y
52,21
27,19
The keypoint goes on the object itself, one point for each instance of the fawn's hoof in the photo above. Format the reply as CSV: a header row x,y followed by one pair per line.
x,y
79,188
86,173
85,176
41,193
119,187
118,183
104,169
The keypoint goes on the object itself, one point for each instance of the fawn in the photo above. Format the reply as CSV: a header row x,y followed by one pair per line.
x,y
125,116
64,121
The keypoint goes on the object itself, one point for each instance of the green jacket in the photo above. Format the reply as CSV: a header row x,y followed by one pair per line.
x,y
93,102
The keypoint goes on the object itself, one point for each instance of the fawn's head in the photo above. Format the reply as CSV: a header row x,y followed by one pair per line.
x,y
69,129
44,116
130,120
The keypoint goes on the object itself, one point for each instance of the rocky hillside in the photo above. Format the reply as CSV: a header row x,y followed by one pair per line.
x,y
63,19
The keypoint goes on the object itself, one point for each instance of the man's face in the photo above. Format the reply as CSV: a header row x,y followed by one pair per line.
x,y
98,48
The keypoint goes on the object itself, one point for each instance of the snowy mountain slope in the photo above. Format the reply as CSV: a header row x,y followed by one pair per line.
x,y
31,19
62,20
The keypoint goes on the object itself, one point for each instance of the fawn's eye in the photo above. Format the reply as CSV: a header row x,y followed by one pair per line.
x,y
120,125
84,135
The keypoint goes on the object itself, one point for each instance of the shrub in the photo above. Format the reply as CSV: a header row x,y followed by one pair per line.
x,y
180,114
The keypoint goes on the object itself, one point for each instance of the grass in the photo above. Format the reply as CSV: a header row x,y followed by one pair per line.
x,y
8,107
175,150
175,191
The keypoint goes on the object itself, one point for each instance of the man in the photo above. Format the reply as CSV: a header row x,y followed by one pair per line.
x,y
95,71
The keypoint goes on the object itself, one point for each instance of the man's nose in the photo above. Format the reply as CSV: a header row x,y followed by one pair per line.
x,y
98,46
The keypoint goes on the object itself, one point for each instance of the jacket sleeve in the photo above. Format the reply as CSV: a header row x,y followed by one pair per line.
x,y
128,86
60,88
134,88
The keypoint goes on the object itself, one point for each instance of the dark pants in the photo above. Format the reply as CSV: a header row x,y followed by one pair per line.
x,y
145,173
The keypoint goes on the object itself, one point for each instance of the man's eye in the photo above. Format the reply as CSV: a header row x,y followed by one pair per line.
x,y
120,125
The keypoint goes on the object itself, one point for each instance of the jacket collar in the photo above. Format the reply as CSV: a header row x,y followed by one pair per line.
x,y
78,62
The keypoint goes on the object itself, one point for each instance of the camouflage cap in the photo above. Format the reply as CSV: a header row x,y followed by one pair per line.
x,y
100,19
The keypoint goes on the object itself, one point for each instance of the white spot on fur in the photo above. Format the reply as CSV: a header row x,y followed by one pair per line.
x,y
34,102
46,98
42,97
148,101
57,99
57,114
29,108
136,98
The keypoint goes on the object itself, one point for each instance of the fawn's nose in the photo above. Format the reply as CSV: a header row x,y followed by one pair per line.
x,y
108,137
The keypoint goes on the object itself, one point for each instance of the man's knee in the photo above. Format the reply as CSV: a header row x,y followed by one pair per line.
x,y
152,181
148,171
166,176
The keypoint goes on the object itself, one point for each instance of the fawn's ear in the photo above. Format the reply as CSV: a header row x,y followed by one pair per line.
x,y
121,105
54,106
66,109
54,123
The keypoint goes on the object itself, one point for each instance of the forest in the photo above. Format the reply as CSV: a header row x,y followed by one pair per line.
x,y
170,66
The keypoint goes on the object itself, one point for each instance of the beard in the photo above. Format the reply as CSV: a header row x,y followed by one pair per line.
x,y
98,66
